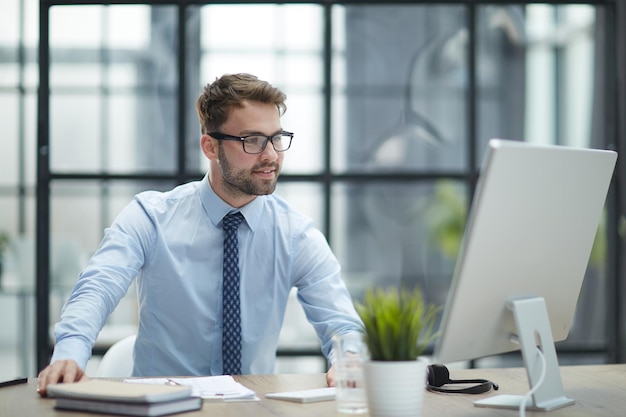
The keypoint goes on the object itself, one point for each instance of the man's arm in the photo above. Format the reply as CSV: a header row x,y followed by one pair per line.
x,y
101,285
322,293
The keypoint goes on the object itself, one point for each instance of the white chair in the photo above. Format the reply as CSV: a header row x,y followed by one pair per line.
x,y
118,360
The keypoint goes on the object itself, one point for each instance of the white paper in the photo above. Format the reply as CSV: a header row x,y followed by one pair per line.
x,y
221,387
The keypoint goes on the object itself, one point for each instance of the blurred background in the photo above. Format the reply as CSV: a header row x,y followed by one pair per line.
x,y
392,104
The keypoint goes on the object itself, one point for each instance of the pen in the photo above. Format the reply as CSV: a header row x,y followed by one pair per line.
x,y
13,382
220,396
210,394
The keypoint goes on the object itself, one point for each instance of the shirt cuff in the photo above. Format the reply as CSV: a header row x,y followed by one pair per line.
x,y
72,348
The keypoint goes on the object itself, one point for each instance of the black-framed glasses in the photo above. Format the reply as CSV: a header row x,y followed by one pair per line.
x,y
256,143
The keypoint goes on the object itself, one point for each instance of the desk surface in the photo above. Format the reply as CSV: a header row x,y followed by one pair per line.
x,y
599,390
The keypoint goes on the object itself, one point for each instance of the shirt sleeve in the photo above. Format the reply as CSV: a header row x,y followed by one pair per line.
x,y
322,293
103,283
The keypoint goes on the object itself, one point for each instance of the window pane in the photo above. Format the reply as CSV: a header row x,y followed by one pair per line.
x,y
18,51
304,197
10,22
18,119
215,64
113,88
30,139
306,151
9,208
9,71
75,133
83,209
9,116
17,283
31,72
500,74
404,94
278,43
402,234
17,273
31,23
76,26
536,74
74,73
589,325
133,16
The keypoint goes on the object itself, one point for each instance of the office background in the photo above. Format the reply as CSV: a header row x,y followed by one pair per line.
x,y
391,104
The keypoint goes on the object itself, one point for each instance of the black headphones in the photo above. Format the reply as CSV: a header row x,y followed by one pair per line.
x,y
438,376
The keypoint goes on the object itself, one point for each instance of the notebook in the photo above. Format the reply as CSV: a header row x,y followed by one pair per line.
x,y
113,397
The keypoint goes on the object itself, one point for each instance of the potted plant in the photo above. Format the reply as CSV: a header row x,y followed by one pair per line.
x,y
398,327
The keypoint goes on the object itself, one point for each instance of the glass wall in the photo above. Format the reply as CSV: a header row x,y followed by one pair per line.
x,y
391,105
19,39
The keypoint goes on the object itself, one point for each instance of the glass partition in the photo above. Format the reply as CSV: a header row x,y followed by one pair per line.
x,y
114,70
391,105
403,94
279,43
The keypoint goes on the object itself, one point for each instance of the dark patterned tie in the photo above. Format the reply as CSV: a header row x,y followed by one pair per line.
x,y
231,331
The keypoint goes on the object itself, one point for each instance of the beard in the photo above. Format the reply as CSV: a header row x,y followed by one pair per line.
x,y
242,182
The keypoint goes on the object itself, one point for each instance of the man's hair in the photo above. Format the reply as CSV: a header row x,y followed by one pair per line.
x,y
231,90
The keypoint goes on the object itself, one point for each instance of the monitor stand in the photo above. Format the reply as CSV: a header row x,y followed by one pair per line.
x,y
533,326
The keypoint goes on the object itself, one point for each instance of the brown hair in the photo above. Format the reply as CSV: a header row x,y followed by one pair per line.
x,y
231,90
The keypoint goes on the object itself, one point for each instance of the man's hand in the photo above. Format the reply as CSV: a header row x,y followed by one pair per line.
x,y
330,377
60,371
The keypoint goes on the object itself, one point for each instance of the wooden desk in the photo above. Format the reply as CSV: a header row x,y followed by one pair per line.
x,y
599,390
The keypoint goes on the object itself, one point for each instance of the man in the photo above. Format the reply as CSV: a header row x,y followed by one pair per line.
x,y
173,242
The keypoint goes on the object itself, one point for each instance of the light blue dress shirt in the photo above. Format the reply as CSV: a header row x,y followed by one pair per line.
x,y
172,243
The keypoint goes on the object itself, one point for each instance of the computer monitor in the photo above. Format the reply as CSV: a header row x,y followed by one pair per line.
x,y
524,254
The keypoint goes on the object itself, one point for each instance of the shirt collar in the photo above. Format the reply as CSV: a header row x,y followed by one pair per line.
x,y
216,208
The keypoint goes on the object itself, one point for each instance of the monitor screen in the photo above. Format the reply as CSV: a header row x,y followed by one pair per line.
x,y
529,234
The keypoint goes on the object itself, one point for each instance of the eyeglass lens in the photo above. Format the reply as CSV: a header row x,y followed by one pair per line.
x,y
256,144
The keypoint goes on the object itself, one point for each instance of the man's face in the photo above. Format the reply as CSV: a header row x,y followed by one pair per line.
x,y
246,175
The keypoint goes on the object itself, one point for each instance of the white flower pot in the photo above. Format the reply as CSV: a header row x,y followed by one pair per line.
x,y
395,389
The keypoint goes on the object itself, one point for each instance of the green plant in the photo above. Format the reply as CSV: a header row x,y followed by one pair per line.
x,y
398,323
445,214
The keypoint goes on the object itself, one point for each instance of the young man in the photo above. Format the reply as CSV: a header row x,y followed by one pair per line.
x,y
173,243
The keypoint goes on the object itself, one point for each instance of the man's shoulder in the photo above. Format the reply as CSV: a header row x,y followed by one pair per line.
x,y
173,196
285,216
280,206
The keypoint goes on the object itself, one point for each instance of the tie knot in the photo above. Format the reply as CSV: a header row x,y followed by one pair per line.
x,y
232,220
